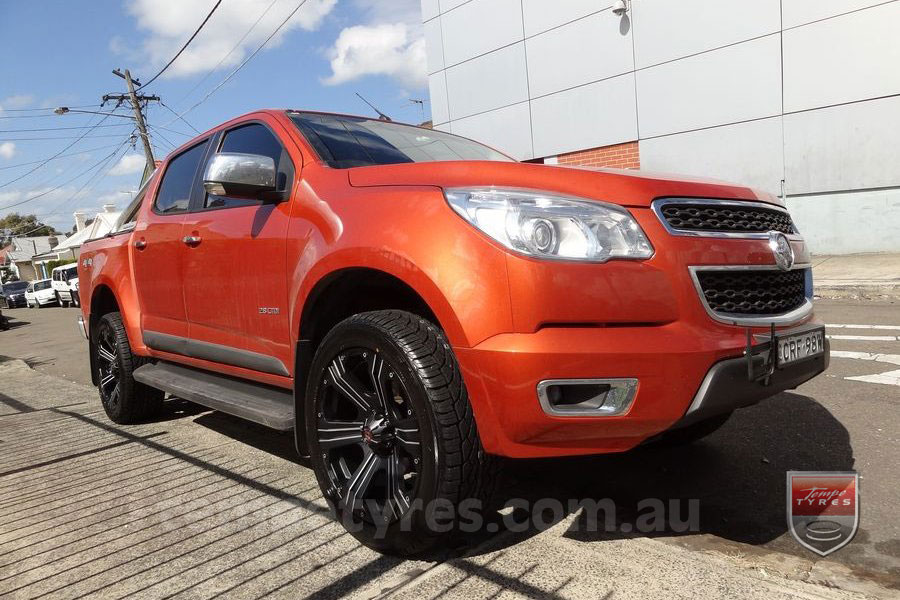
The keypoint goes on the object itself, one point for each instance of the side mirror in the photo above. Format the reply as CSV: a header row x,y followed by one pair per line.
x,y
242,175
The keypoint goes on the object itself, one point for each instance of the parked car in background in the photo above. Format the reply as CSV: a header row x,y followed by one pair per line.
x,y
40,294
412,303
59,278
12,294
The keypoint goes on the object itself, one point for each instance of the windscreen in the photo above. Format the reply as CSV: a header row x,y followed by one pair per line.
x,y
70,273
16,286
344,142
41,285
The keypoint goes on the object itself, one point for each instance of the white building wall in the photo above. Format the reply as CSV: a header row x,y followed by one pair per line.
x,y
800,97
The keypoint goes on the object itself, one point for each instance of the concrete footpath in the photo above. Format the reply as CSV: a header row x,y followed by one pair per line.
x,y
857,276
201,505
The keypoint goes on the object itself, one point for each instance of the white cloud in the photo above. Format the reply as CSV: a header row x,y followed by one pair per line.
x,y
390,43
128,164
169,23
7,150
17,101
385,49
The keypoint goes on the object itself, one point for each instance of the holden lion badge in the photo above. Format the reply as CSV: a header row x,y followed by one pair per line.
x,y
823,508
781,248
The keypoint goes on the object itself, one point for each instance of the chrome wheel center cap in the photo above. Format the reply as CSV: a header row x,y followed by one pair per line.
x,y
378,433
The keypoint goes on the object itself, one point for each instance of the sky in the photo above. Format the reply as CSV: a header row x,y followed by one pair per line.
x,y
62,53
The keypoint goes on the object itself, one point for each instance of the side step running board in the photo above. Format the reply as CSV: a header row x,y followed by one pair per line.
x,y
263,404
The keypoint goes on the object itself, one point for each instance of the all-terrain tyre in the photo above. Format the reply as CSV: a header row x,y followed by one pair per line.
x,y
124,399
392,435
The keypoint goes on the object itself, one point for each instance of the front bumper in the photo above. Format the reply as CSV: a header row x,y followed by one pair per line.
x,y
671,362
16,302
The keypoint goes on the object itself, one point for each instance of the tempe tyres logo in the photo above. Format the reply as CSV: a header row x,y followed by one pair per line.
x,y
823,509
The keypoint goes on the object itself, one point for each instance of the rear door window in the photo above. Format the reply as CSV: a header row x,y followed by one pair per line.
x,y
254,138
174,193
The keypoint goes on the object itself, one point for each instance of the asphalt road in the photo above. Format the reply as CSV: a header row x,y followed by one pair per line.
x,y
738,474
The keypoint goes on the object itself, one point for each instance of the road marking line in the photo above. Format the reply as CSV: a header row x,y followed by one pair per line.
x,y
851,326
870,338
886,378
888,358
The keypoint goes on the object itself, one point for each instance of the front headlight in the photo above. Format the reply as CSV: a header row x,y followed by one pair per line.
x,y
550,226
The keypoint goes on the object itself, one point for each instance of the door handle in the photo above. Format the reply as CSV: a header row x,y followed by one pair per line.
x,y
192,240
140,244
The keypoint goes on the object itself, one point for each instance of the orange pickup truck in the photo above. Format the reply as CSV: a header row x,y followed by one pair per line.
x,y
413,304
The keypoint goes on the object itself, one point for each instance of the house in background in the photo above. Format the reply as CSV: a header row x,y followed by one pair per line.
x,y
100,225
22,254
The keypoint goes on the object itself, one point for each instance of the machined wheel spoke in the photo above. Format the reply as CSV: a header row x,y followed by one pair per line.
x,y
106,380
378,372
397,499
105,354
406,433
362,477
349,385
335,434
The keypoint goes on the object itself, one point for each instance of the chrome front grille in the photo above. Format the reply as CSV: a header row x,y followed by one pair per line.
x,y
722,217
752,292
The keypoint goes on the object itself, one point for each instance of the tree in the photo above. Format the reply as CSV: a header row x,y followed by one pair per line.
x,y
15,224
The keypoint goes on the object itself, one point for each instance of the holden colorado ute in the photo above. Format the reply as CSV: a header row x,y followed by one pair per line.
x,y
413,304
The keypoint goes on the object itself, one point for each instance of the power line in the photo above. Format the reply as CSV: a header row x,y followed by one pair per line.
x,y
64,128
67,182
46,108
93,178
241,66
162,137
186,44
166,106
230,52
34,162
49,116
56,137
78,139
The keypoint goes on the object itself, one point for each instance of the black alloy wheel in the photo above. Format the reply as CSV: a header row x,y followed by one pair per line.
x,y
107,364
391,433
124,399
368,435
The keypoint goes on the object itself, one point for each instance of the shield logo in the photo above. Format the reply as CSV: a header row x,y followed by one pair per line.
x,y
823,508
781,248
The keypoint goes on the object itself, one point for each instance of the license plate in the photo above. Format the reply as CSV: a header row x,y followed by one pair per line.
x,y
794,348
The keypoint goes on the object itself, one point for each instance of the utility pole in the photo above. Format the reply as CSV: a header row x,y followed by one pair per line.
x,y
135,100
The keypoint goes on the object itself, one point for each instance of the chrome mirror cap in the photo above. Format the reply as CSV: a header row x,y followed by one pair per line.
x,y
237,174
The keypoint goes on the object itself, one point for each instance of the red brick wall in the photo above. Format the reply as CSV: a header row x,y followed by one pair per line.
x,y
618,156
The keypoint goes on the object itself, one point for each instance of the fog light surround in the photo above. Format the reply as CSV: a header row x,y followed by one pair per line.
x,y
587,397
